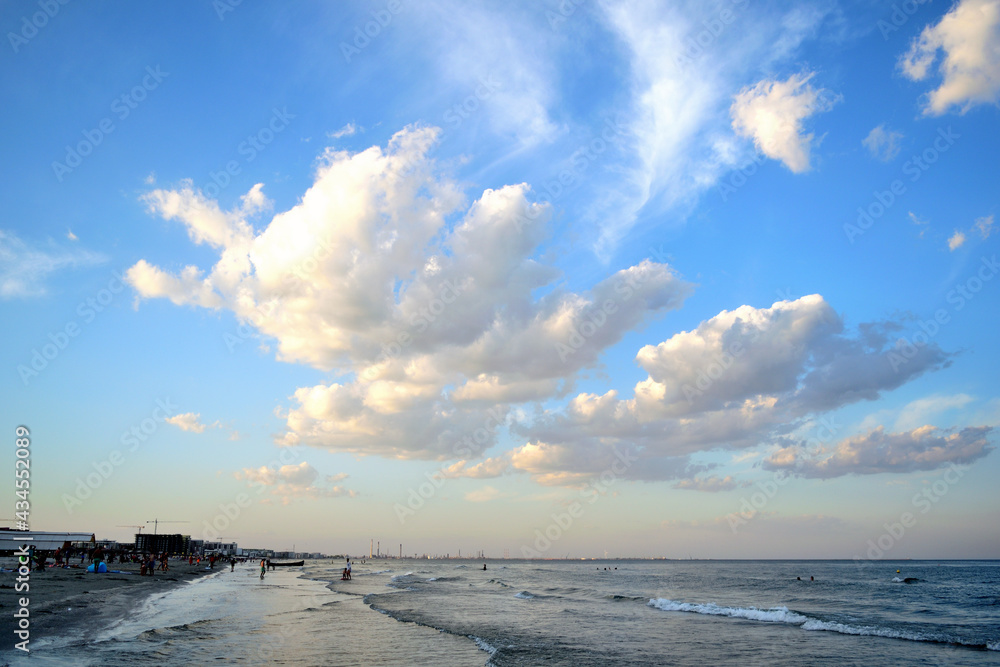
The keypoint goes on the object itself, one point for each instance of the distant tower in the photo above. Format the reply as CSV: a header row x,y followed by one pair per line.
x,y
400,550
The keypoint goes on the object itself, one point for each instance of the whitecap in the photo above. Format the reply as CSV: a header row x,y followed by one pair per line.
x,y
483,644
773,615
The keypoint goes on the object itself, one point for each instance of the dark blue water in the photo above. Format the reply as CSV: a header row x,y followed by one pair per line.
x,y
564,613
698,612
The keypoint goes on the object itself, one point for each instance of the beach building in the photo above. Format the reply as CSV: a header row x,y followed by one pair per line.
x,y
172,544
257,553
11,540
220,548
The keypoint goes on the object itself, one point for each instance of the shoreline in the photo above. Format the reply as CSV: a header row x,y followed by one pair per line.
x,y
70,604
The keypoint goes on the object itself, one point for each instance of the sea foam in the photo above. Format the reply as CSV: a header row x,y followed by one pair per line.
x,y
784,615
773,615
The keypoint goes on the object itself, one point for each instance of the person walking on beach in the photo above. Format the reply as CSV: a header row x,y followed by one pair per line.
x,y
348,569
97,557
263,568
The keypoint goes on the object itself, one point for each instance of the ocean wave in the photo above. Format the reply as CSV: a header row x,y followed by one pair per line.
x,y
773,615
524,595
483,644
785,615
365,574
905,580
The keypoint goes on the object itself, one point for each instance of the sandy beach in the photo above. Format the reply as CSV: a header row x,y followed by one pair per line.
x,y
64,600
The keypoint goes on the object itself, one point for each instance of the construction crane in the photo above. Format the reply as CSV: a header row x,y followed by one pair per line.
x,y
132,526
157,522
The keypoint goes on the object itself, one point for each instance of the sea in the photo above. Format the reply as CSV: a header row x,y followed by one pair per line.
x,y
581,613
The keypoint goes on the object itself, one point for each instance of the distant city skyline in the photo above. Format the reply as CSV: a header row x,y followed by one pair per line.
x,y
710,280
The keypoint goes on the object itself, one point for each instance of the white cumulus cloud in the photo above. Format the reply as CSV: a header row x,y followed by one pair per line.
x,y
431,310
969,35
772,113
289,482
923,448
188,421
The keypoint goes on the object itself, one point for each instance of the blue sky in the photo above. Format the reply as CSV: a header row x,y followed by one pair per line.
x,y
710,279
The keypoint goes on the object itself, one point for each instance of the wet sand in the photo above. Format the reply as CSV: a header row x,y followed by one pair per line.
x,y
71,600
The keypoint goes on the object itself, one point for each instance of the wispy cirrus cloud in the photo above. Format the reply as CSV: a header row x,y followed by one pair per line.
x,y
711,484
883,144
25,268
679,138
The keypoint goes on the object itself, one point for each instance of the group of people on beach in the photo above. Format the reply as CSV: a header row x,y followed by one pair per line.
x,y
147,562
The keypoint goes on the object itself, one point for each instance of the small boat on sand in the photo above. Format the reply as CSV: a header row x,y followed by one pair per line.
x,y
291,563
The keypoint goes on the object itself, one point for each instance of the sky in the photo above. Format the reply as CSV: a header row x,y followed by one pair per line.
x,y
549,279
